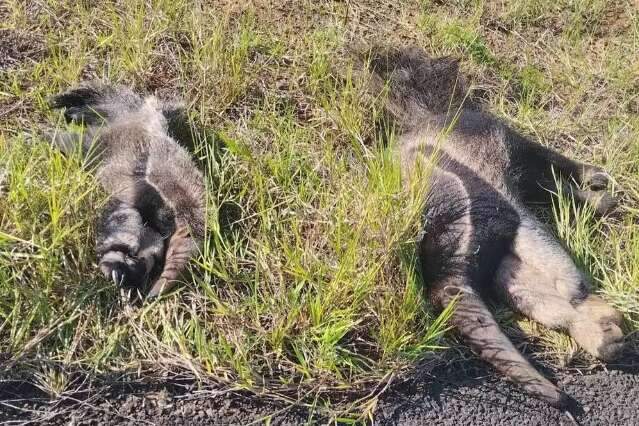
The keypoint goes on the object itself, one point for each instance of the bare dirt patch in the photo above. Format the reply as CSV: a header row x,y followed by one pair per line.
x,y
17,47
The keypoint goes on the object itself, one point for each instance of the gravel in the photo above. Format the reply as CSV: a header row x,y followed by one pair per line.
x,y
460,393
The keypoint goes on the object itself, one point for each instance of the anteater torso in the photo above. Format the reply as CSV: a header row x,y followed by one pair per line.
x,y
474,185
143,166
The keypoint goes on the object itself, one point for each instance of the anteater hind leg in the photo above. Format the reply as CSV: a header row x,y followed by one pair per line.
x,y
540,280
449,263
480,330
183,191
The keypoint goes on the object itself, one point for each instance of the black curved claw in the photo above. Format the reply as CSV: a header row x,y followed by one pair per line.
x,y
123,270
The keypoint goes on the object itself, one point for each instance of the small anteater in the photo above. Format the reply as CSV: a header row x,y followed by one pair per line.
x,y
154,220
480,239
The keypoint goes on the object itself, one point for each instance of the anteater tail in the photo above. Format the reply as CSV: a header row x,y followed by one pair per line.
x,y
418,86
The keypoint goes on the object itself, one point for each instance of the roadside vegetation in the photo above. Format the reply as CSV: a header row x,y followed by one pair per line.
x,y
307,289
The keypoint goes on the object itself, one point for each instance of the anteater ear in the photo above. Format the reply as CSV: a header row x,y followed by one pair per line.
x,y
454,89
449,67
436,71
175,115
383,60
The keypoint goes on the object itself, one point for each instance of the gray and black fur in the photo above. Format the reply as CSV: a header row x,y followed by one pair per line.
x,y
480,239
154,220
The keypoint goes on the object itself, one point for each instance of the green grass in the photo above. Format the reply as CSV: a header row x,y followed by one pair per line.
x,y
307,285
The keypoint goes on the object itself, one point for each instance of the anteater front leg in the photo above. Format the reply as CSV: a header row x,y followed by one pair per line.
x,y
540,168
180,249
128,251
540,280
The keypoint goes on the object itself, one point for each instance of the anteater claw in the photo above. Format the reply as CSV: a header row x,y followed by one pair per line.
x,y
117,277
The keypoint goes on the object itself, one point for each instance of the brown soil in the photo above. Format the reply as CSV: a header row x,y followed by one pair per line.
x,y
17,47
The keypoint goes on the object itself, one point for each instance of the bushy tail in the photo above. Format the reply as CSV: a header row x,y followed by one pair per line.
x,y
419,86
94,103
